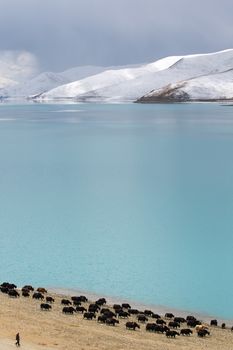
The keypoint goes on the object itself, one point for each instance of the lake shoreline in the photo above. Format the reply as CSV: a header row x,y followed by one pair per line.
x,y
55,330
160,309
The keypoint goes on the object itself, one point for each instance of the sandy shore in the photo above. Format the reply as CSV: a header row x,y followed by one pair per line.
x,y
54,330
159,309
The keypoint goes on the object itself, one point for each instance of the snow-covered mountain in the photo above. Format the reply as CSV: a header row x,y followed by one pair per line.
x,y
41,83
177,78
211,87
131,83
47,81
99,85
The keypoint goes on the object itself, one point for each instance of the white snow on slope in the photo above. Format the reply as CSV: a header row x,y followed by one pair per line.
x,y
40,83
108,78
132,83
186,68
206,88
49,80
191,75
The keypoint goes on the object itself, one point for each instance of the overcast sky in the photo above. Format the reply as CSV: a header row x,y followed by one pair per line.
x,y
66,33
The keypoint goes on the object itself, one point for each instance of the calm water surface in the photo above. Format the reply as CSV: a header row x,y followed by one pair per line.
x,y
134,201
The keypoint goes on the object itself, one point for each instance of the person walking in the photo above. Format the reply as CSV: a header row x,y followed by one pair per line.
x,y
17,338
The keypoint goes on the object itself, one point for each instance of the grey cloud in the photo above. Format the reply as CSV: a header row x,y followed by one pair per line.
x,y
18,65
68,33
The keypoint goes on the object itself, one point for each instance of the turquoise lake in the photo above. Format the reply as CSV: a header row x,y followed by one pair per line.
x,y
133,201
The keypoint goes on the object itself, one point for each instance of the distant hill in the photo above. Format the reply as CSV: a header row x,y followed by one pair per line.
x,y
211,87
175,78
108,84
47,81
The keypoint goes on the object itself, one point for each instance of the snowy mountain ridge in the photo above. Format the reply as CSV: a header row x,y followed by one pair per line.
x,y
132,83
212,87
48,80
174,78
109,78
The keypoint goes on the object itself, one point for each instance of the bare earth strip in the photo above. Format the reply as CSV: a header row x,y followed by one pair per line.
x,y
54,330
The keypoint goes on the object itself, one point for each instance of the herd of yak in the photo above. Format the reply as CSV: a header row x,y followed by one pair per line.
x,y
167,325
